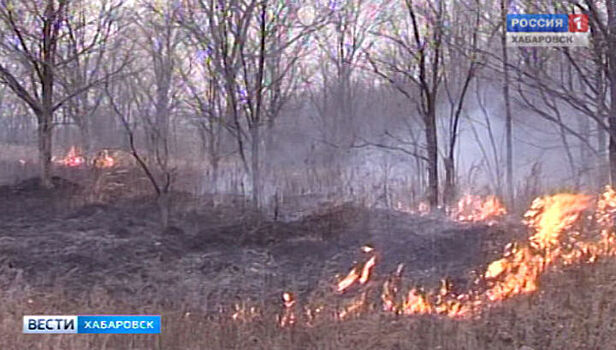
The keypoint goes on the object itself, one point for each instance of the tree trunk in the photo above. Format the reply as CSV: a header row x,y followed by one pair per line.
x,y
611,13
449,191
508,121
215,167
84,133
602,173
164,206
432,146
612,156
256,172
44,148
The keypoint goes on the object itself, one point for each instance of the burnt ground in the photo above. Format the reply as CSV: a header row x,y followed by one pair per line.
x,y
216,254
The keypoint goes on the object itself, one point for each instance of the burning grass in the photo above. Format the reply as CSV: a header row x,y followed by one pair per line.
x,y
554,242
552,290
576,309
472,208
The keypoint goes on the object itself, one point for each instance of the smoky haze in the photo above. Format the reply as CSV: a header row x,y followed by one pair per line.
x,y
340,101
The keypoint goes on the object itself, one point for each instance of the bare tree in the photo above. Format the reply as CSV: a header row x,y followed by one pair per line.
x,y
461,63
205,106
414,68
610,36
36,50
507,100
87,65
254,48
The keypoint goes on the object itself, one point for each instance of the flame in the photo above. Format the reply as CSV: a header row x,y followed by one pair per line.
x,y
549,216
365,272
556,239
520,271
354,307
416,303
358,273
288,315
348,281
423,208
605,215
390,289
104,160
477,209
72,158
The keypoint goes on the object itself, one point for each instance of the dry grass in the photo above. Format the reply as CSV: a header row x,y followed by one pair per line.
x,y
576,309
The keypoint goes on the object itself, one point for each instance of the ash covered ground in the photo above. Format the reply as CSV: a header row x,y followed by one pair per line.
x,y
216,255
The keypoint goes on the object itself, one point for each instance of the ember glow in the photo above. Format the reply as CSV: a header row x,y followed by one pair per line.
x,y
556,240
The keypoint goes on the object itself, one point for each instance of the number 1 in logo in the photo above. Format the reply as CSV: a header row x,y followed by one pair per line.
x,y
578,23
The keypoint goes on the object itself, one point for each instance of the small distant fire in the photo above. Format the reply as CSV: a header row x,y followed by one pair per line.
x,y
73,158
288,316
472,208
104,160
556,239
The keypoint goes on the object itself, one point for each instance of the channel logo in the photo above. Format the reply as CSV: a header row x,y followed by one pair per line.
x,y
92,324
548,30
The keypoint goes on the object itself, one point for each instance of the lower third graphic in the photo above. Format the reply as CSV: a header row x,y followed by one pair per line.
x,y
91,324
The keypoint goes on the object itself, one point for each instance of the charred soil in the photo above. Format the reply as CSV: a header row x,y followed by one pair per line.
x,y
220,253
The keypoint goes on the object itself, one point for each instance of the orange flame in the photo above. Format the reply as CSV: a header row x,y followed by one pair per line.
x,y
358,273
365,272
476,209
288,315
520,271
353,308
416,303
72,159
390,289
554,242
104,160
348,281
550,216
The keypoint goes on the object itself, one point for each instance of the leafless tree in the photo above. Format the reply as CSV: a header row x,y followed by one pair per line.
x,y
254,47
36,49
413,67
461,63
